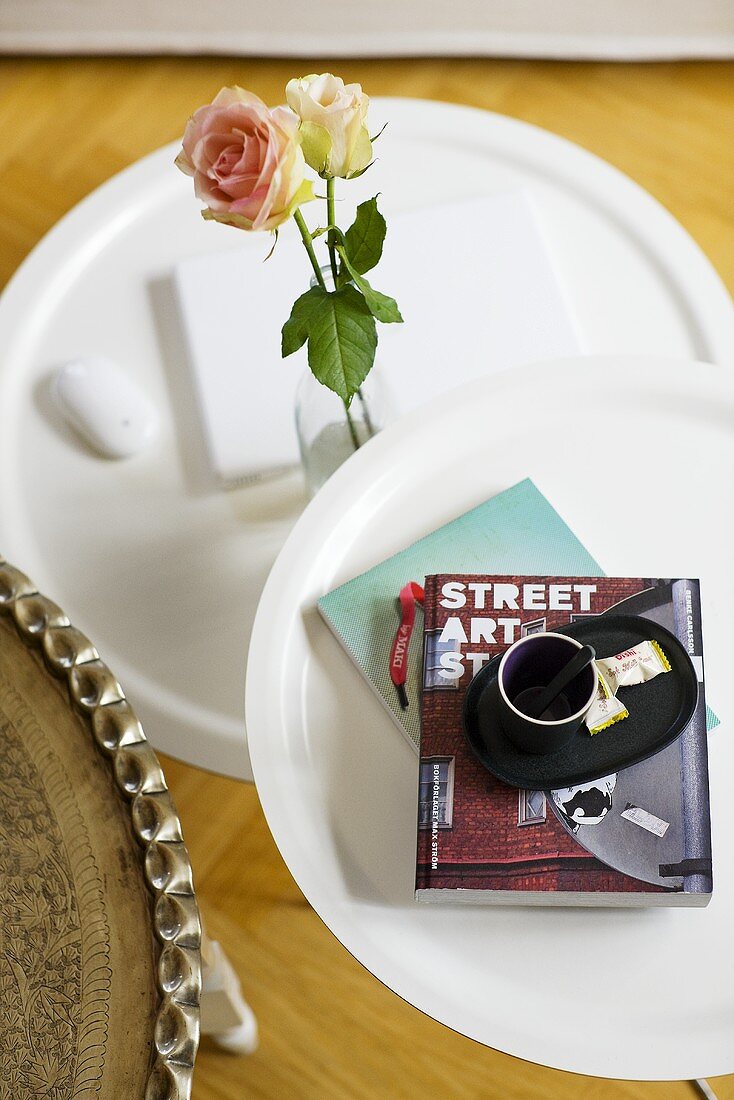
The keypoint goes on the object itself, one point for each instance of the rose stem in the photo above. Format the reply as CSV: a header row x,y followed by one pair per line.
x,y
331,239
366,411
352,429
308,245
331,220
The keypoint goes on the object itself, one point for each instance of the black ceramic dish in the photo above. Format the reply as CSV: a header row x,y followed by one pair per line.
x,y
659,711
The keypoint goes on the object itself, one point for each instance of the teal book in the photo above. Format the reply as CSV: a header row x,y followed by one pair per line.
x,y
515,532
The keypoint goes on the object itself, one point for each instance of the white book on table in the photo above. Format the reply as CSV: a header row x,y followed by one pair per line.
x,y
476,285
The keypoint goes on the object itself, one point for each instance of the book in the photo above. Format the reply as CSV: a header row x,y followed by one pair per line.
x,y
641,836
502,272
517,530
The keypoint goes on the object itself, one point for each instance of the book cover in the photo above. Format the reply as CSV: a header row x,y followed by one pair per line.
x,y
641,836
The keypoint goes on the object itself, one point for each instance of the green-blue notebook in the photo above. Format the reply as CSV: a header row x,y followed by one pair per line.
x,y
515,532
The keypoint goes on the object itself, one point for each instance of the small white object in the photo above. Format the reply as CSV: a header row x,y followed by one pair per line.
x,y
646,820
105,406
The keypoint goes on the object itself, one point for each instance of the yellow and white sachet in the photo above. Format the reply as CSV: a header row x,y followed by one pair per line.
x,y
643,662
606,709
637,665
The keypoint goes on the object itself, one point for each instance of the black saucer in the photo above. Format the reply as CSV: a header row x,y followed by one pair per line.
x,y
659,711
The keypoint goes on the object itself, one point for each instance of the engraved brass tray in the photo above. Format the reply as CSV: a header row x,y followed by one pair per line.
x,y
100,971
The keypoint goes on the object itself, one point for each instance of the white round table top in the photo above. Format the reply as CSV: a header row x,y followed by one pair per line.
x,y
161,569
637,455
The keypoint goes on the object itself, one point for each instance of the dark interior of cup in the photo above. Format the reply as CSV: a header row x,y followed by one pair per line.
x,y
537,661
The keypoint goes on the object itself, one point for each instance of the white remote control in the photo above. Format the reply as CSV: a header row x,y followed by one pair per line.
x,y
106,407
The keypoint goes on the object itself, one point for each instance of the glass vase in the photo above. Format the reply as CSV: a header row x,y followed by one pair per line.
x,y
329,432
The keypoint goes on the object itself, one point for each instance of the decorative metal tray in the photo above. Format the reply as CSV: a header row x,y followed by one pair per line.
x,y
100,966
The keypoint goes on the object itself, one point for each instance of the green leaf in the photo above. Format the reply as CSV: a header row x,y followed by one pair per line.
x,y
381,306
341,342
297,327
365,237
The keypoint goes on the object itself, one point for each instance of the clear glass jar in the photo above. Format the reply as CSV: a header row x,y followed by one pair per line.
x,y
328,432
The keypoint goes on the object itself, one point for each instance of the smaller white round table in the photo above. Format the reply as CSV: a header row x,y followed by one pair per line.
x,y
637,455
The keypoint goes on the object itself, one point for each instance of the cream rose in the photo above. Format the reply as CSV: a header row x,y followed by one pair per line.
x,y
334,133
246,161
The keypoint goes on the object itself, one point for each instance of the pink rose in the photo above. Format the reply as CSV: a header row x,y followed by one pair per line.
x,y
246,161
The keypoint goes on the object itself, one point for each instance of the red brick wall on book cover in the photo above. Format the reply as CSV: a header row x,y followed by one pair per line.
x,y
485,846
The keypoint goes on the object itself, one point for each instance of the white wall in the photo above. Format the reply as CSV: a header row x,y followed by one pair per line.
x,y
549,28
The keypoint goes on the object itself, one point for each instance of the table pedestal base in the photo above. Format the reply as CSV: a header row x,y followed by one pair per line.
x,y
225,1015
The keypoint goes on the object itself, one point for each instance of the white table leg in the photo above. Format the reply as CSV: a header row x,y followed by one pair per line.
x,y
225,1015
